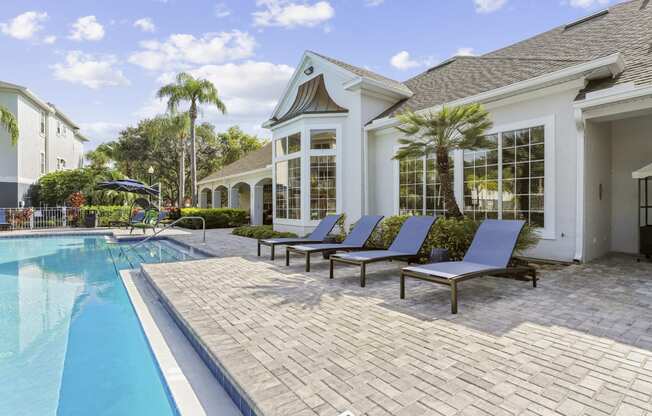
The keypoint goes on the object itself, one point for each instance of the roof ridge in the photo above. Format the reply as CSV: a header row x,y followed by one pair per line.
x,y
338,62
535,58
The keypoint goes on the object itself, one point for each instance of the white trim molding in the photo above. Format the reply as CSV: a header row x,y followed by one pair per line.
x,y
614,64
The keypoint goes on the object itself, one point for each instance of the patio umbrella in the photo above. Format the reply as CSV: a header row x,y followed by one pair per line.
x,y
128,185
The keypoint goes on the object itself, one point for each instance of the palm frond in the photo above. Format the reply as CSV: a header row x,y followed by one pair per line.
x,y
9,122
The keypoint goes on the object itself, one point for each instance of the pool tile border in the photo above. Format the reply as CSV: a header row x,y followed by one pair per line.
x,y
235,392
53,234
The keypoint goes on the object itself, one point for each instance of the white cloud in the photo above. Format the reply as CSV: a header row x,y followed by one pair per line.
x,y
465,52
374,3
588,4
24,26
403,61
88,70
285,13
249,90
50,39
99,132
488,6
181,50
87,28
222,10
145,24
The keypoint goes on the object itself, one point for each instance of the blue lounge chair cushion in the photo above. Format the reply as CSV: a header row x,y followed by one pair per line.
x,y
138,217
491,249
325,247
451,269
357,238
407,243
3,218
412,234
319,234
372,255
494,242
324,228
289,240
362,230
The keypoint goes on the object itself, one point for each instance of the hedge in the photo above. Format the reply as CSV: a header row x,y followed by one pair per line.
x,y
215,217
260,231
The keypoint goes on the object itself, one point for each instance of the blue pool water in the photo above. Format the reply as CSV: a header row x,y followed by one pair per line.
x,y
70,341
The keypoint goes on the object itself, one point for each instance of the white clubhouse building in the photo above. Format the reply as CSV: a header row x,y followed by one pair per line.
x,y
48,141
572,114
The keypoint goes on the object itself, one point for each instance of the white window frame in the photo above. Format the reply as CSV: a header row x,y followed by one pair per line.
x,y
285,158
43,163
323,152
548,232
43,123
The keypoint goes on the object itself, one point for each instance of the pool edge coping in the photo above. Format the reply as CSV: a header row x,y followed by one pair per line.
x,y
239,396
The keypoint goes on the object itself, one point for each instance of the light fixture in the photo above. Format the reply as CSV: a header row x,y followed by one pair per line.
x,y
309,70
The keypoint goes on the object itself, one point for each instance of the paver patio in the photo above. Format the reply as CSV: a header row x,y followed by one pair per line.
x,y
301,344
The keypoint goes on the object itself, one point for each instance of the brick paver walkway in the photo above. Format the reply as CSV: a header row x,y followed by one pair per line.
x,y
301,344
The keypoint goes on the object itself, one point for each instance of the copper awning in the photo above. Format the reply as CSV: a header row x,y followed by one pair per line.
x,y
312,98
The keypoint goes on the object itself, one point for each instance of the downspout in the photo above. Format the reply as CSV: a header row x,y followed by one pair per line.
x,y
580,126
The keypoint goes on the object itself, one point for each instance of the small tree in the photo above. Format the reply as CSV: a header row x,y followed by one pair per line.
x,y
460,127
9,122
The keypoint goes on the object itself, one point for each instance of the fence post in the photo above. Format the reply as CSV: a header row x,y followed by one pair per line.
x,y
31,221
65,217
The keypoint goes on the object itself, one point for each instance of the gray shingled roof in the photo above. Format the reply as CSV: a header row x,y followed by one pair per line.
x,y
361,72
627,29
466,76
257,159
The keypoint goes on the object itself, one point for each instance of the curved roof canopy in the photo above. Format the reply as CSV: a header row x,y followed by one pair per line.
x,y
312,98
128,185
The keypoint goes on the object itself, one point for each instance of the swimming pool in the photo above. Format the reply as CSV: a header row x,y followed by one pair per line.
x,y
71,342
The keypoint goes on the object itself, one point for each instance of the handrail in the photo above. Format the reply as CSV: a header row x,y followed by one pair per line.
x,y
203,221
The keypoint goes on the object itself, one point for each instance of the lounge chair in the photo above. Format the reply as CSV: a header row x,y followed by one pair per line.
x,y
135,219
490,253
406,246
356,240
150,220
317,236
3,220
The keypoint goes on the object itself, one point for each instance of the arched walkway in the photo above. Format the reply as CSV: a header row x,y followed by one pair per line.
x,y
262,203
206,198
241,196
221,197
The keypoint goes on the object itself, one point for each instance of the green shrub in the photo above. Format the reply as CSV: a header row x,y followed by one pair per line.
x,y
106,213
260,232
214,217
449,233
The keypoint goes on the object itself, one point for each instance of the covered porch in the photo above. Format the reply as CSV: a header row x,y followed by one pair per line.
x,y
251,194
617,142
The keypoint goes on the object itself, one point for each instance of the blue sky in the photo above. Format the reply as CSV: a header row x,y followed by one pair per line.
x,y
101,62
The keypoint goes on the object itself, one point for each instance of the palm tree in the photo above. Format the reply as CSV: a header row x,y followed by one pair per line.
x,y
460,127
197,92
9,122
180,127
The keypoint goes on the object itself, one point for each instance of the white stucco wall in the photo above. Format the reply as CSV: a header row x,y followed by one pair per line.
x,y
631,147
31,143
64,146
598,172
362,106
8,159
554,104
